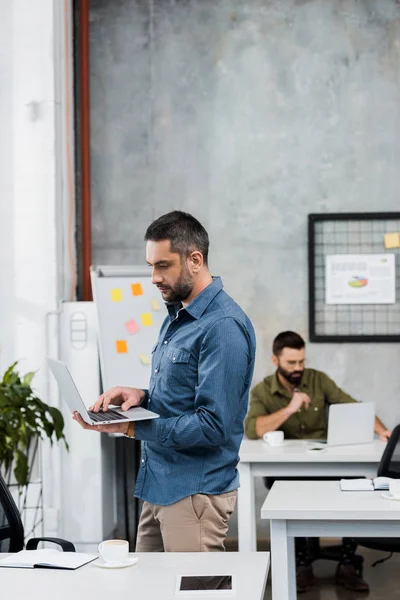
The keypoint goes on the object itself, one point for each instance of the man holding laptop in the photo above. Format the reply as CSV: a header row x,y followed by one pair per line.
x,y
294,400
202,366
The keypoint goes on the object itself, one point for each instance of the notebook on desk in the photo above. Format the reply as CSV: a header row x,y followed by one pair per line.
x,y
364,485
47,559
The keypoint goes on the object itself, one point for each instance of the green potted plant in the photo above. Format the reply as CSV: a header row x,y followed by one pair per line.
x,y
24,420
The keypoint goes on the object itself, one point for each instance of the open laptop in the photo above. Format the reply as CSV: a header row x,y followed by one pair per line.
x,y
351,423
70,394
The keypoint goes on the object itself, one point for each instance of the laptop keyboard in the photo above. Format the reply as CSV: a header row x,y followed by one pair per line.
x,y
109,415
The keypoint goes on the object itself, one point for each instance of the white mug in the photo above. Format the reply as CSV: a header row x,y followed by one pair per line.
x,y
394,488
274,438
114,551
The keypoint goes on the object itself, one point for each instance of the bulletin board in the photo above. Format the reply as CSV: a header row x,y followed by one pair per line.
x,y
360,238
130,312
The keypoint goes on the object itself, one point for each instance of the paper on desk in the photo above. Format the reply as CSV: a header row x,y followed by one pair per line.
x,y
356,485
47,558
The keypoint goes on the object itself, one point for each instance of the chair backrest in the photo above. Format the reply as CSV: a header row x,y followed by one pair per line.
x,y
390,461
11,528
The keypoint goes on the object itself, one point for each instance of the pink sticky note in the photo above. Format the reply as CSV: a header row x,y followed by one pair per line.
x,y
132,327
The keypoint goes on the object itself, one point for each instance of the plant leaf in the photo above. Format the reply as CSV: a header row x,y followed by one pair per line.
x,y
21,467
58,421
23,417
27,379
9,372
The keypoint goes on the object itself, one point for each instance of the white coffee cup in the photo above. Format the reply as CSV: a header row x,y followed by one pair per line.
x,y
394,488
274,438
114,551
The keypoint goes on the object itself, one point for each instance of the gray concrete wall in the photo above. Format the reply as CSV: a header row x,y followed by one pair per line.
x,y
250,114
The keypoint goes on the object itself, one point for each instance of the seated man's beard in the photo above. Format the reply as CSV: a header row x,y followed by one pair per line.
x,y
294,377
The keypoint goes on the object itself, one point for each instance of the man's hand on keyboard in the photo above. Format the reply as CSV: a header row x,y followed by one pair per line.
x,y
125,397
111,428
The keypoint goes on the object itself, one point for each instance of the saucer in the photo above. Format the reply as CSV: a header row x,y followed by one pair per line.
x,y
388,496
114,565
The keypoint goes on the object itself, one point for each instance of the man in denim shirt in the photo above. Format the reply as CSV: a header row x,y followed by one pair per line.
x,y
202,366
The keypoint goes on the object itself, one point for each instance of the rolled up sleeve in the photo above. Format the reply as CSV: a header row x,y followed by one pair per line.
x,y
257,408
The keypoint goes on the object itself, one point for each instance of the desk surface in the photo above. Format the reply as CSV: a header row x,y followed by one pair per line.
x,y
324,500
154,576
258,451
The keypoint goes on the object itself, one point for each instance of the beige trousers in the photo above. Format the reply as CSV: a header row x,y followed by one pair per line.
x,y
198,523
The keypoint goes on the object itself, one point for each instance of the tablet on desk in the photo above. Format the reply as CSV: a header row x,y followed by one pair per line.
x,y
206,584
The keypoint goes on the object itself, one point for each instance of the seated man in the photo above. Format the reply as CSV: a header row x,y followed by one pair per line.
x,y
294,400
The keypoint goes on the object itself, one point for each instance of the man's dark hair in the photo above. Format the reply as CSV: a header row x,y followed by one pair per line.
x,y
183,231
287,339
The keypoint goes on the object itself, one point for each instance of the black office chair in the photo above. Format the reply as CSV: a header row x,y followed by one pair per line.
x,y
12,530
388,467
390,461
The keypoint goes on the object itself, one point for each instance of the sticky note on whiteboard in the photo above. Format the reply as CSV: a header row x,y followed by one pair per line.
x,y
137,289
155,305
122,346
132,327
147,319
144,359
116,295
392,240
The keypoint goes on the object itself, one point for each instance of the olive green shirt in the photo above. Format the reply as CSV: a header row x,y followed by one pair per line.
x,y
269,396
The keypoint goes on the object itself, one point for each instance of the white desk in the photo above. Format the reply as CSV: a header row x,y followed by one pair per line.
x,y
294,459
153,577
320,508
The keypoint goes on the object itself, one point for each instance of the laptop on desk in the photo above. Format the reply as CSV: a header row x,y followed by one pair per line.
x,y
351,423
71,396
348,424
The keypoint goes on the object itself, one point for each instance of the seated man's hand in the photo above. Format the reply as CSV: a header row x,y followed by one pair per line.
x,y
112,428
298,400
125,397
385,435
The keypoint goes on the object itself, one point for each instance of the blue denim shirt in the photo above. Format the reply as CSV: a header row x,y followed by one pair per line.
x,y
202,366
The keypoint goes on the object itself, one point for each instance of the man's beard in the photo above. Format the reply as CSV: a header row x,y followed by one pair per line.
x,y
294,378
182,288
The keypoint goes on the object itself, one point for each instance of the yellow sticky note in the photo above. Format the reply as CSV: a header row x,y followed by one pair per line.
x,y
155,305
137,289
122,346
144,359
116,295
147,319
392,240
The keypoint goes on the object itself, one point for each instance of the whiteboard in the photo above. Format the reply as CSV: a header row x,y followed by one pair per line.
x,y
130,312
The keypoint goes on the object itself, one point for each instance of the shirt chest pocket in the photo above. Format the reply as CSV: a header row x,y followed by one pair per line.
x,y
178,356
179,368
317,412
